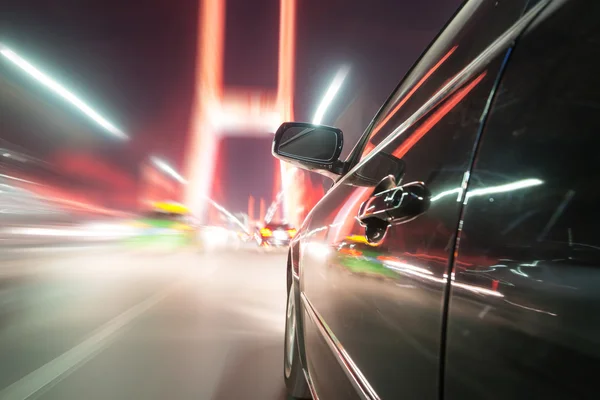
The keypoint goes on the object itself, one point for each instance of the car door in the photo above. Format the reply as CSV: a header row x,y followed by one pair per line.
x,y
376,296
524,316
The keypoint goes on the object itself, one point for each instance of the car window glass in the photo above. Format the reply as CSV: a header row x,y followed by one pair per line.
x,y
461,42
436,150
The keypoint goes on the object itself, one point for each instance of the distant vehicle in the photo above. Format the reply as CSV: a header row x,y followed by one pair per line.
x,y
457,255
167,223
274,235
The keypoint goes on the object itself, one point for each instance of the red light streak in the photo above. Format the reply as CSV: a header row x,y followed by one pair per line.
x,y
287,44
361,194
201,154
436,117
285,96
351,252
370,146
495,285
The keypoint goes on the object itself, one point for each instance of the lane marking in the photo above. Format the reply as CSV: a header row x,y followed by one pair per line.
x,y
74,358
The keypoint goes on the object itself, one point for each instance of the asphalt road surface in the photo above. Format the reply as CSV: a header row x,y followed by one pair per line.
x,y
113,323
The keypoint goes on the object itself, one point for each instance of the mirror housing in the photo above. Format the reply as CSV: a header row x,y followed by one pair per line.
x,y
315,148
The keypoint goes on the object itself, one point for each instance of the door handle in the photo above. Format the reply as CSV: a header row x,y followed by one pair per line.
x,y
391,205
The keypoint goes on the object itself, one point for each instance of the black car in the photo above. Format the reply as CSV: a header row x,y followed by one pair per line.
x,y
457,255
275,235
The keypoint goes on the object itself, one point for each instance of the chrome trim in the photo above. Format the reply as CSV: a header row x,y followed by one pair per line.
x,y
358,380
290,331
459,79
311,387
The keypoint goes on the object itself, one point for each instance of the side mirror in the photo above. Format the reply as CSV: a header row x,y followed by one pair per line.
x,y
313,147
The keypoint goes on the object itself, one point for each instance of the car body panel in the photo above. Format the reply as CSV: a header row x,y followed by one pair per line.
x,y
524,309
384,305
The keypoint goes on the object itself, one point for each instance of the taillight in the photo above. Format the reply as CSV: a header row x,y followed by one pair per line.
x,y
266,232
292,232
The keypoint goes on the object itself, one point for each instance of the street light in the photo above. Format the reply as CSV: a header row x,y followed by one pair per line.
x,y
60,90
334,87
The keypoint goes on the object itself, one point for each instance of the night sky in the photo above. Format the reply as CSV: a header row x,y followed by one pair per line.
x,y
135,62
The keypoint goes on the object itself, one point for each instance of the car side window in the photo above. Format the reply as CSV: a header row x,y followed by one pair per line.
x,y
463,39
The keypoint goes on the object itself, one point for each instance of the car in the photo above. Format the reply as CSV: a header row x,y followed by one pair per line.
x,y
274,235
457,254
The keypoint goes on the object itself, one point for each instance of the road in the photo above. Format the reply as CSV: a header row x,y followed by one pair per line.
x,y
116,323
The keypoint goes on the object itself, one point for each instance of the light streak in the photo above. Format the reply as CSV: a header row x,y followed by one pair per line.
x,y
370,145
173,173
168,169
285,96
60,90
201,153
334,87
437,116
227,213
317,250
509,187
287,49
403,267
209,101
18,179
361,194
280,196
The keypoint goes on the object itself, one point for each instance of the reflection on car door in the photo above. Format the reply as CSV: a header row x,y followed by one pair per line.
x,y
524,312
381,303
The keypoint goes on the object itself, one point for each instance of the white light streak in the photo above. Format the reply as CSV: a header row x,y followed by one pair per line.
x,y
229,215
337,82
404,267
280,196
17,179
509,187
60,90
168,169
318,250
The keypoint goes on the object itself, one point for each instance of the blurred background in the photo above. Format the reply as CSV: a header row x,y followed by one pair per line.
x,y
138,190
